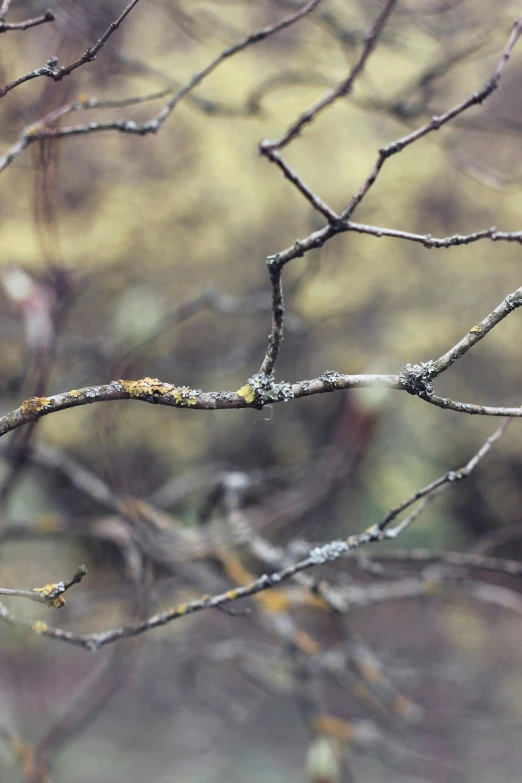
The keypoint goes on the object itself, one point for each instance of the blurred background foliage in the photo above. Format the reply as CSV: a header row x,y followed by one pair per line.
x,y
115,250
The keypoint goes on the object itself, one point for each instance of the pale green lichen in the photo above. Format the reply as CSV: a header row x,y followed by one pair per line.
x,y
262,389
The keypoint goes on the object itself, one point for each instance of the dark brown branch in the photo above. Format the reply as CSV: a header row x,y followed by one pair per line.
x,y
275,338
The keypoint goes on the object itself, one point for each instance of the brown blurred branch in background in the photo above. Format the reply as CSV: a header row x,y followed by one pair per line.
x,y
320,555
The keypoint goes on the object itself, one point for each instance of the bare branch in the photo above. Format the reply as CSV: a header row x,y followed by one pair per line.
x,y
459,559
50,70
39,130
4,8
90,55
341,91
476,333
35,22
262,390
434,242
436,122
437,487
266,148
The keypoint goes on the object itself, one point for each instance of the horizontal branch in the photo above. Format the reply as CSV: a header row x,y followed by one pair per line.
x,y
434,242
318,238
474,410
261,389
154,391
459,559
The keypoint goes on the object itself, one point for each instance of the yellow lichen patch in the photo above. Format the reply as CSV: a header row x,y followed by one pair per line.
x,y
179,610
316,602
431,587
82,98
333,727
305,643
235,569
33,130
369,669
401,705
34,405
476,330
147,387
40,627
184,396
74,393
247,392
274,601
48,522
133,509
362,692
46,590
57,602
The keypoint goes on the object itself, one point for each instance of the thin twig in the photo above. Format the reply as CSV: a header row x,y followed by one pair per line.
x,y
4,8
5,27
436,122
50,68
476,333
341,91
456,240
459,559
437,487
50,594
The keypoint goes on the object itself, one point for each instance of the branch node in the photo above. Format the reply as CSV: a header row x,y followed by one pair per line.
x,y
262,389
514,300
417,379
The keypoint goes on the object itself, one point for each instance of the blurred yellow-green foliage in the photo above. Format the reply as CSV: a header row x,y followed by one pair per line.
x,y
138,226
